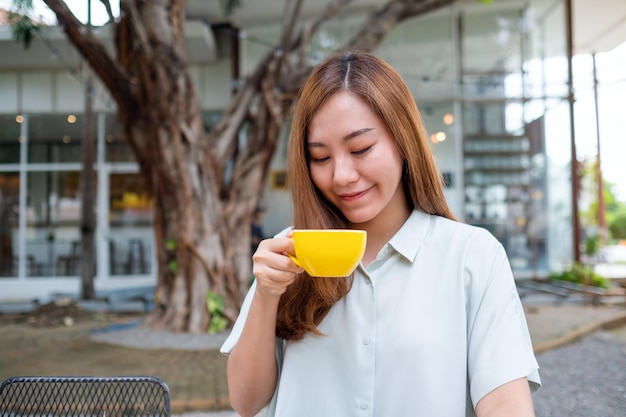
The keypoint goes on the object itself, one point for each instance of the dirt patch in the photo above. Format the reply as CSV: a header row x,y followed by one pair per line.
x,y
62,312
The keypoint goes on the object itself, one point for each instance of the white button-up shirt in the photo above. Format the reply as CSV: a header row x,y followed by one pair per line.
x,y
429,327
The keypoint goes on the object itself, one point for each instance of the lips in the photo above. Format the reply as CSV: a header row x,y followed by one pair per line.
x,y
352,196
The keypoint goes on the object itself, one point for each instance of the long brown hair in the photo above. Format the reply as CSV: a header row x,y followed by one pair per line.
x,y
307,301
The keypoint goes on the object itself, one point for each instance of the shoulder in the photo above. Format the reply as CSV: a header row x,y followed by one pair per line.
x,y
458,233
472,249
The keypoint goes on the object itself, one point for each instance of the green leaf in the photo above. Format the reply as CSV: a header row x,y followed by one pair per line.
x,y
173,266
24,29
581,274
170,244
215,306
214,302
217,324
229,6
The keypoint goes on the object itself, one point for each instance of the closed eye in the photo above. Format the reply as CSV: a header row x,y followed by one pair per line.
x,y
319,160
362,151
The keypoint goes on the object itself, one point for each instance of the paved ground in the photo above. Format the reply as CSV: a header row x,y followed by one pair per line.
x,y
585,378
196,378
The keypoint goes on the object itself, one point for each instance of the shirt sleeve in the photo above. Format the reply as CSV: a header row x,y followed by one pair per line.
x,y
499,345
235,333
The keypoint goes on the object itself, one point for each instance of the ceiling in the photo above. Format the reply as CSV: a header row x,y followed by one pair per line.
x,y
599,25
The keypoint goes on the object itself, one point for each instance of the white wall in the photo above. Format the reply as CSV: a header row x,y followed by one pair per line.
x,y
60,91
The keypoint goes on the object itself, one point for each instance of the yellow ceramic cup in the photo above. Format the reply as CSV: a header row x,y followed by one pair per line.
x,y
329,253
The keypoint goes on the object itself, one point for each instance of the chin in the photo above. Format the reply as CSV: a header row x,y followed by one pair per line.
x,y
360,218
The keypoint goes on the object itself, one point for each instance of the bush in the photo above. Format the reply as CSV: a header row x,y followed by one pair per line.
x,y
617,226
592,245
215,306
581,274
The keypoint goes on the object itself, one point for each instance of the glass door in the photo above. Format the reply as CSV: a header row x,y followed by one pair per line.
x,y
130,232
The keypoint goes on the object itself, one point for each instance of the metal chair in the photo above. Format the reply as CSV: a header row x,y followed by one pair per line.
x,y
84,397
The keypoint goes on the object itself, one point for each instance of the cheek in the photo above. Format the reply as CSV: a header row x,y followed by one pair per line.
x,y
318,176
395,164
384,169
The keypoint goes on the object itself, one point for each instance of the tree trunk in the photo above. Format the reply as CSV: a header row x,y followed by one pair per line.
x,y
202,210
88,196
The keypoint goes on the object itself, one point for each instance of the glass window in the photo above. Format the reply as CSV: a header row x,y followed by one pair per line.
x,y
422,50
10,138
54,138
439,121
9,212
546,65
131,234
441,126
505,132
53,223
117,148
491,50
493,118
611,105
559,182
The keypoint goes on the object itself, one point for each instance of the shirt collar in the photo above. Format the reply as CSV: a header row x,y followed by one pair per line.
x,y
408,240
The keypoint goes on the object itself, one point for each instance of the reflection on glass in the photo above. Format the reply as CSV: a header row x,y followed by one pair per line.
x,y
130,214
10,138
426,65
500,140
51,138
117,148
492,47
559,209
504,117
52,223
546,67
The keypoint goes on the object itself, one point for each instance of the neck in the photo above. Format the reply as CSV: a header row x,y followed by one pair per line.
x,y
380,230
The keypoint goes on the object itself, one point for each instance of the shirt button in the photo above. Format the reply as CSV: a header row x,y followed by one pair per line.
x,y
366,340
364,405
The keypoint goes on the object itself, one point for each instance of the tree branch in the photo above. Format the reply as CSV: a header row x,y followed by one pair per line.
x,y
305,34
389,15
107,6
417,8
369,36
292,13
137,25
94,52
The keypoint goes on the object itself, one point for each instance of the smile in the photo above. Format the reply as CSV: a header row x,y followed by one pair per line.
x,y
353,196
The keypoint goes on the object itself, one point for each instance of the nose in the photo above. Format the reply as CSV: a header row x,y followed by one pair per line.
x,y
345,172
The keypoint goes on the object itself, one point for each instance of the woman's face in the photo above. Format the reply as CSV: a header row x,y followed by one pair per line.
x,y
355,161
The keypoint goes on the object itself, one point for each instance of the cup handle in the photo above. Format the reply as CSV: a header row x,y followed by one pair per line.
x,y
295,260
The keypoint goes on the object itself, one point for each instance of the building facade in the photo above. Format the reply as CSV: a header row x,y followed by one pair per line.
x,y
492,83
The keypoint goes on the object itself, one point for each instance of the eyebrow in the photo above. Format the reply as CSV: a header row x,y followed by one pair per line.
x,y
349,136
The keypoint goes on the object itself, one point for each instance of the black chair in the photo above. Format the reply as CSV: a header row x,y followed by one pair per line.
x,y
84,397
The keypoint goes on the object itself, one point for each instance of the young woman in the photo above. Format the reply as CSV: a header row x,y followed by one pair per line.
x,y
430,324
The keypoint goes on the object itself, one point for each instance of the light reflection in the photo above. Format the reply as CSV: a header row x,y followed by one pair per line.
x,y
438,137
